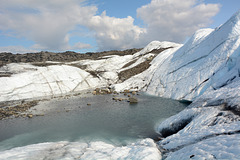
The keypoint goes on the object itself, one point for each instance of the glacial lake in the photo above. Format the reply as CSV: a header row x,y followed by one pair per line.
x,y
91,118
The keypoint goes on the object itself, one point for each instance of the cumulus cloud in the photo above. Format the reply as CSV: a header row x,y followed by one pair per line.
x,y
115,33
50,24
175,20
47,23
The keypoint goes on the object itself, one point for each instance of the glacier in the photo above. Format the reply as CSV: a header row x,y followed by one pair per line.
x,y
209,127
29,81
205,70
208,61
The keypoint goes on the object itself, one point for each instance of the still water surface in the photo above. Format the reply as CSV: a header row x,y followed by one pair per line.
x,y
72,119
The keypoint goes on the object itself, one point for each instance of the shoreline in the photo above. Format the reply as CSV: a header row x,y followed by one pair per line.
x,y
24,108
76,115
28,108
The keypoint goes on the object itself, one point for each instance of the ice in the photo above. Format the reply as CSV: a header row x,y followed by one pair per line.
x,y
208,129
33,81
221,147
209,60
29,81
144,149
142,80
206,71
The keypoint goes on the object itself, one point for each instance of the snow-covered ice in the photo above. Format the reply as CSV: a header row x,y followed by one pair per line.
x,y
145,149
208,61
29,81
142,81
209,75
210,126
221,147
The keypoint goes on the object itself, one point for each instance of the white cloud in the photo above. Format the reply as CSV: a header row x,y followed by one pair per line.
x,y
115,33
175,20
45,22
17,49
50,24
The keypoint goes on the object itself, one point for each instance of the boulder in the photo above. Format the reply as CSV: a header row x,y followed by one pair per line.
x,y
132,100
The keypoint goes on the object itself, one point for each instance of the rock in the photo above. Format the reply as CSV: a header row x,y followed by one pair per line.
x,y
134,93
94,92
126,91
29,115
105,91
89,104
150,58
115,98
133,100
97,90
129,95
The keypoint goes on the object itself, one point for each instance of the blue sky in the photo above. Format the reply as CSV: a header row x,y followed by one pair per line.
x,y
82,25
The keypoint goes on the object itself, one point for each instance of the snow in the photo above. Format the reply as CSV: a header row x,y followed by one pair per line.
x,y
29,81
206,71
221,147
141,81
156,45
34,81
145,149
209,60
210,126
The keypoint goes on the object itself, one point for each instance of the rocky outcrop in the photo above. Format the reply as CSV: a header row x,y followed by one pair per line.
x,y
6,58
16,110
